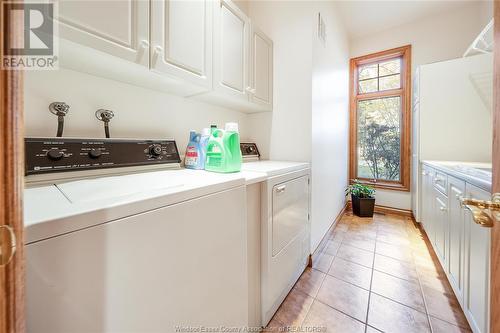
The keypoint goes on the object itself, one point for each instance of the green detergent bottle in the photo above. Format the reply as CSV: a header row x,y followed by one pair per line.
x,y
223,150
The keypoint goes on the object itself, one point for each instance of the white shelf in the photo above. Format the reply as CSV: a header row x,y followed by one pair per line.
x,y
483,42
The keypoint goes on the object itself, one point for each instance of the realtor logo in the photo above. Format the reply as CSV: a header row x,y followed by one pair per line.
x,y
34,47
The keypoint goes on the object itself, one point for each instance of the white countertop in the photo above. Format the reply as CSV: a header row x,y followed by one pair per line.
x,y
273,168
49,208
476,173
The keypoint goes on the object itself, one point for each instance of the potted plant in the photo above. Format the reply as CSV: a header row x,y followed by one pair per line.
x,y
363,201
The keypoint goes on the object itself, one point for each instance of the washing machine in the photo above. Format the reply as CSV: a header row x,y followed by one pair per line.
x,y
112,246
285,226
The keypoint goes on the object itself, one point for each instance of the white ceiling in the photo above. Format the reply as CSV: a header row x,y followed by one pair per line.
x,y
363,18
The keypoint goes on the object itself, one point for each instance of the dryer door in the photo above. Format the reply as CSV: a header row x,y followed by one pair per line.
x,y
290,211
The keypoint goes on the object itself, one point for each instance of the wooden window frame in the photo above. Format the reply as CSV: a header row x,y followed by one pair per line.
x,y
405,93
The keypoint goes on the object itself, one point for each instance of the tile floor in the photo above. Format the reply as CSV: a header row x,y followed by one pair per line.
x,y
374,274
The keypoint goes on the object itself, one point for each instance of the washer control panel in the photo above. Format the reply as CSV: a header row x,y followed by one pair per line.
x,y
45,155
249,149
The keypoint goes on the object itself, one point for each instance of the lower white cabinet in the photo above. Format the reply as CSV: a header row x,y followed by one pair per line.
x,y
428,202
440,218
456,243
477,267
462,246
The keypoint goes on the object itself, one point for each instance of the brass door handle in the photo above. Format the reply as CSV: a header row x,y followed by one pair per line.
x,y
7,244
484,212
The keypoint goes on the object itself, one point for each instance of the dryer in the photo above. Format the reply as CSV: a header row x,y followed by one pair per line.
x,y
285,226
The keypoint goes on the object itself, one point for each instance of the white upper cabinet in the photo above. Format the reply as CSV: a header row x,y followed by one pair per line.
x,y
231,37
261,69
119,28
181,39
204,49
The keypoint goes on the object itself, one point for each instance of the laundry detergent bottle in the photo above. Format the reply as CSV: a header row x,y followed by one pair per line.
x,y
193,156
205,137
223,150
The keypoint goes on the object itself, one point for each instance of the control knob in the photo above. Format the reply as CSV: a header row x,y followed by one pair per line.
x,y
250,149
55,154
95,153
155,150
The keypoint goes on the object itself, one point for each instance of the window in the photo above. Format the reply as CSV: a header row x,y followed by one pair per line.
x,y
381,119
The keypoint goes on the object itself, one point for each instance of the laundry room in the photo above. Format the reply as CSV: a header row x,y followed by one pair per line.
x,y
249,166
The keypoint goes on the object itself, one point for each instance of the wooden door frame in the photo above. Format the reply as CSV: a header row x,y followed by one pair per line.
x,y
11,184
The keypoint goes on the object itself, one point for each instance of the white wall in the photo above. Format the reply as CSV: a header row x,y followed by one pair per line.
x,y
310,117
330,123
436,38
139,112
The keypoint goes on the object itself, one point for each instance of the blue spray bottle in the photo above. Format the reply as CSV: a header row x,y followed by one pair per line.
x,y
193,159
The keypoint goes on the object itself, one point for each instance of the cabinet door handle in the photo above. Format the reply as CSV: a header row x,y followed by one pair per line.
x,y
442,208
424,173
281,189
143,47
158,50
144,44
7,244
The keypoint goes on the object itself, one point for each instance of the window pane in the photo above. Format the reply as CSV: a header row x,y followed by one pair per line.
x,y
367,86
390,82
390,67
368,72
379,138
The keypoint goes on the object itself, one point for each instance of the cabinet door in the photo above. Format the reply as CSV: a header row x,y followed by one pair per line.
x,y
119,28
428,203
456,252
181,39
231,36
477,267
261,69
440,225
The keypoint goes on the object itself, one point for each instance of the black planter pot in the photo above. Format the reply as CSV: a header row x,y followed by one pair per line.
x,y
363,207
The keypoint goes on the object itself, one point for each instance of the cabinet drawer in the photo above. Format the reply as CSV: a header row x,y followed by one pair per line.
x,y
441,182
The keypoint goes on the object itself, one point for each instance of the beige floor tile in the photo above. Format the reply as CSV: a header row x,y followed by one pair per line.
x,y
399,290
439,326
394,251
393,239
322,316
360,241
344,297
399,268
337,236
351,272
389,316
444,306
356,255
310,281
293,310
332,246
323,262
